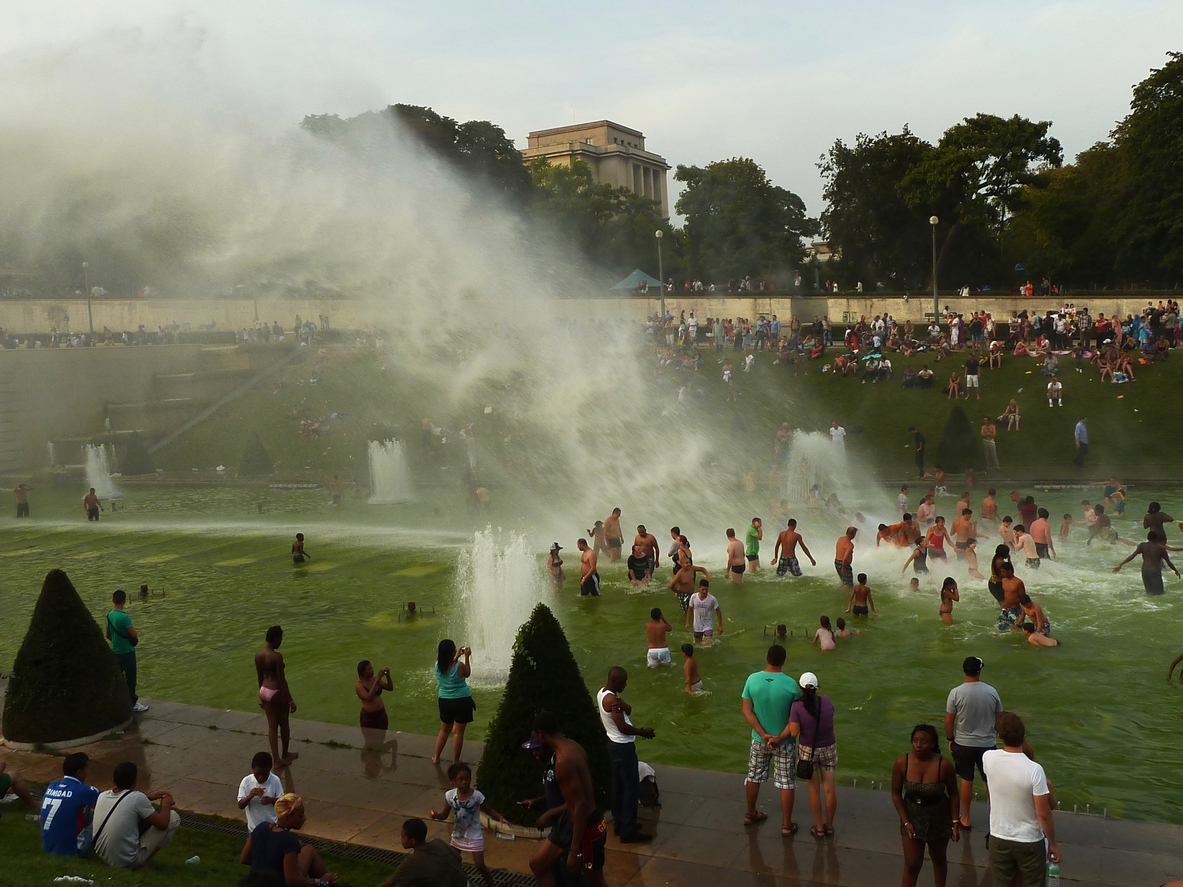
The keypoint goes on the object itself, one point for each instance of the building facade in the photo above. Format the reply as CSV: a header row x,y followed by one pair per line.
x,y
615,153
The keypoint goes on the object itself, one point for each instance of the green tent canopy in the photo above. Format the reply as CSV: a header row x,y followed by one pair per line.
x,y
631,282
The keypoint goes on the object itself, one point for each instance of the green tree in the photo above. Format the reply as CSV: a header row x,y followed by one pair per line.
x,y
960,448
738,223
1151,138
65,683
881,238
544,676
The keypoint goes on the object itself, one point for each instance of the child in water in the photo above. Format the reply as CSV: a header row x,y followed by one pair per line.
x,y
299,555
1065,527
860,601
843,631
914,585
466,803
824,636
690,669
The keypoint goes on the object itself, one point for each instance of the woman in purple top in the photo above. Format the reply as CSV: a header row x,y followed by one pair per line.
x,y
811,721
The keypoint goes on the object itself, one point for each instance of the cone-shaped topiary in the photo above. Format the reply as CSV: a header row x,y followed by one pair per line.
x,y
544,676
135,458
256,460
66,682
961,448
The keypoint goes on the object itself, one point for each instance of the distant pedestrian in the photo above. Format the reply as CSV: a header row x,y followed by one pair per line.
x,y
123,638
1081,434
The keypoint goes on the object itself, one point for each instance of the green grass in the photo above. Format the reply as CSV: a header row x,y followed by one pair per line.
x,y
25,865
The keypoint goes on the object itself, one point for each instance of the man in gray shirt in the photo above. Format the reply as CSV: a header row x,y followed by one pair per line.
x,y
129,830
970,714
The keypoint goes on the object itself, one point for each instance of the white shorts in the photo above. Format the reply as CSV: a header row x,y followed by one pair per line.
x,y
658,657
971,381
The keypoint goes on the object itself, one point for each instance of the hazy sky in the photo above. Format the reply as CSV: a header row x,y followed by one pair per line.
x,y
775,81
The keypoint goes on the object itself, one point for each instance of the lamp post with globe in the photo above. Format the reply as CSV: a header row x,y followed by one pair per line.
x,y
936,302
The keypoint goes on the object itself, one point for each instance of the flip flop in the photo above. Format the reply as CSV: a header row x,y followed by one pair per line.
x,y
788,830
754,818
816,832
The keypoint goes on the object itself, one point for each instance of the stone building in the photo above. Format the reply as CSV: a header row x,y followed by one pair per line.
x,y
615,153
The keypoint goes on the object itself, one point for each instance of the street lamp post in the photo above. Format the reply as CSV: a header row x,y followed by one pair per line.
x,y
86,282
660,273
936,301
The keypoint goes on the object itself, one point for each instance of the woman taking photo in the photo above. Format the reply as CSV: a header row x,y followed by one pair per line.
x,y
452,668
811,722
924,791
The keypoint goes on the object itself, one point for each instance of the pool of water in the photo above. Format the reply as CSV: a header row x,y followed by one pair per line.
x,y
1100,713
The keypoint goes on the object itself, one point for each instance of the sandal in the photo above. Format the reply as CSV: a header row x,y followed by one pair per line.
x,y
754,818
788,830
829,830
816,832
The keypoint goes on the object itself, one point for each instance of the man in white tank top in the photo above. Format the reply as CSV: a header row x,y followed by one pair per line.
x,y
622,754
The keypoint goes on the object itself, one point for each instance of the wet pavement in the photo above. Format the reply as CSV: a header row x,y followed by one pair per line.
x,y
361,795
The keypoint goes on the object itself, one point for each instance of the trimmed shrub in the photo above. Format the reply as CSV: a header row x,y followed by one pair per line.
x,y
66,682
961,448
256,461
544,676
135,458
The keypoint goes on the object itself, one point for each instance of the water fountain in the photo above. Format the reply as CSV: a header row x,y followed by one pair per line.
x,y
98,471
390,477
499,582
814,459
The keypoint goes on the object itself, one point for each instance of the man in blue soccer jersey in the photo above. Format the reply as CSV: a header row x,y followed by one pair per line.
x,y
66,809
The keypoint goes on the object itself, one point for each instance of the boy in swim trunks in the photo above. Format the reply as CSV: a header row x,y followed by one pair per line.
x,y
656,629
844,555
1012,591
682,585
690,669
860,602
785,551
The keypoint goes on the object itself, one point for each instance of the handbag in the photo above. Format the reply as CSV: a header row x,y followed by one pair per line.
x,y
805,768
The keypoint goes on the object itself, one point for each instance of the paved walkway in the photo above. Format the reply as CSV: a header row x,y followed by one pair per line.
x,y
361,796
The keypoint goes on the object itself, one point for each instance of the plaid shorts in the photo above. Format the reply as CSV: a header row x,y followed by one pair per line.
x,y
824,758
760,756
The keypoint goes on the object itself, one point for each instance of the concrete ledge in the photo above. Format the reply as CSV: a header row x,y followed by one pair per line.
x,y
65,743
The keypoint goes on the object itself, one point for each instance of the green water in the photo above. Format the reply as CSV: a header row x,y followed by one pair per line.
x,y
1101,716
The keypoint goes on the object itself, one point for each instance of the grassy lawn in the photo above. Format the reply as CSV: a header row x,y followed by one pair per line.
x,y
1129,424
25,865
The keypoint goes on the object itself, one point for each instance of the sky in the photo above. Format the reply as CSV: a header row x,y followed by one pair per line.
x,y
775,81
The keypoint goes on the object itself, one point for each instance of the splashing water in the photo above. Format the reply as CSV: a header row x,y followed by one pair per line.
x,y
499,583
815,460
98,472
390,478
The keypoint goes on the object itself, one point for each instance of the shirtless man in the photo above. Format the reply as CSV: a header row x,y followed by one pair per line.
x,y
1012,594
989,513
613,535
966,543
659,646
1101,526
1154,553
91,505
682,585
1041,532
648,542
784,552
844,556
910,532
989,432
22,499
736,562
274,696
1034,612
589,579
579,832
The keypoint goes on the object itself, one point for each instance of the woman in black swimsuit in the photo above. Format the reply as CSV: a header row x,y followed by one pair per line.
x,y
924,791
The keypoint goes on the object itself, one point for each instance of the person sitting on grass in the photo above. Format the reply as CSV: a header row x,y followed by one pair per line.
x,y
129,830
430,863
954,387
67,832
10,781
272,850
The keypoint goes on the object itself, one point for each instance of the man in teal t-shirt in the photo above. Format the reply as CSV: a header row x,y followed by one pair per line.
x,y
123,638
751,543
767,697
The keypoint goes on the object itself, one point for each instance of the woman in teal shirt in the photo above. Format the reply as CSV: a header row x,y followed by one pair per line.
x,y
455,699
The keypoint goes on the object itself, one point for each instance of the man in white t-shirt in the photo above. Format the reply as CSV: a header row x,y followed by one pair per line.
x,y
1020,810
902,499
1055,392
118,816
258,791
838,435
703,607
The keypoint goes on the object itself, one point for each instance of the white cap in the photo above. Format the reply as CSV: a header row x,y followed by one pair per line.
x,y
809,679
